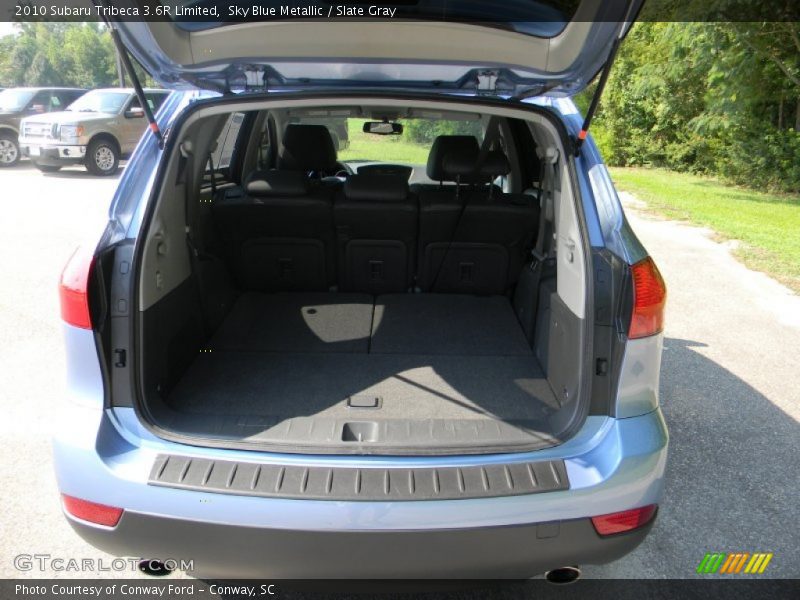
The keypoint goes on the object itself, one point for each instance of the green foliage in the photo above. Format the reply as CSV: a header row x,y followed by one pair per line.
x,y
67,54
716,98
766,225
389,148
424,131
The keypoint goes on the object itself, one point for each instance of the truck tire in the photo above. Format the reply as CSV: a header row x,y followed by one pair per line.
x,y
102,157
9,149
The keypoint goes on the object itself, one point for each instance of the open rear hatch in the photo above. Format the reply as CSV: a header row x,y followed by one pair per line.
x,y
514,48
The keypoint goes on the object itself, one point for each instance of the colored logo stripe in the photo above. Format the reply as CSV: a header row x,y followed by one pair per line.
x,y
711,562
734,562
758,563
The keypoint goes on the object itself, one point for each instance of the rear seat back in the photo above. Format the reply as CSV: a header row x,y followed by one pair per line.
x,y
279,233
376,229
288,231
474,241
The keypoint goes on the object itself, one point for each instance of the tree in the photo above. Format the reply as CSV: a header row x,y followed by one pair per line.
x,y
720,98
68,54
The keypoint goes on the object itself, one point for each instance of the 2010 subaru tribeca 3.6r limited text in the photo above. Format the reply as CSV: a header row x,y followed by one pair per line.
x,y
432,353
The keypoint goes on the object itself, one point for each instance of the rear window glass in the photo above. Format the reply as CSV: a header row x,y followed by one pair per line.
x,y
15,100
100,101
541,18
410,148
154,101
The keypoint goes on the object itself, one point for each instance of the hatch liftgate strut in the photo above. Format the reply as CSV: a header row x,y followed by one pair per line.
x,y
126,61
601,84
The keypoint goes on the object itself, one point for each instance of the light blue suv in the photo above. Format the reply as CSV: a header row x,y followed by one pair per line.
x,y
432,351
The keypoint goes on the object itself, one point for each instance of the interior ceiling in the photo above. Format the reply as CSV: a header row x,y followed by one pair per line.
x,y
380,113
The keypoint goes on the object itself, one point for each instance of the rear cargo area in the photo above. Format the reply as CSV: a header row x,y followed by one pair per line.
x,y
309,303
405,373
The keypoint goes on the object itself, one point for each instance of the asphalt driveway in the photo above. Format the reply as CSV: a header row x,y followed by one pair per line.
x,y
730,389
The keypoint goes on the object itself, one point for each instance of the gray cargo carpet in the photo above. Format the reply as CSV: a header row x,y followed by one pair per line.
x,y
293,357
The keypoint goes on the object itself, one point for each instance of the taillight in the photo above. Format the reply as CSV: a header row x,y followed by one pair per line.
x,y
93,512
649,300
627,520
73,289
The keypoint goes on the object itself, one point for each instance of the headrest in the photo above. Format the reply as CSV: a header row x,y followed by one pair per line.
x,y
376,188
448,144
307,148
276,183
464,166
495,164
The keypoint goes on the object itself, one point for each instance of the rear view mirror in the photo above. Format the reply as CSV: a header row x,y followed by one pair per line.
x,y
134,113
383,128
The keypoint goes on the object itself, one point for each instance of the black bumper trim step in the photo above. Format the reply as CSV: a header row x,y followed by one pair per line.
x,y
358,484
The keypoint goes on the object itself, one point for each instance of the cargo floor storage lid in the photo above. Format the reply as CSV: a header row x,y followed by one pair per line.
x,y
510,49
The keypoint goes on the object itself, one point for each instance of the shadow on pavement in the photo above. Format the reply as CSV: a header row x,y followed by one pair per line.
x,y
66,172
732,483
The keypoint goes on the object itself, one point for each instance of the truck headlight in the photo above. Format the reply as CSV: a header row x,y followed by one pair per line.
x,y
71,131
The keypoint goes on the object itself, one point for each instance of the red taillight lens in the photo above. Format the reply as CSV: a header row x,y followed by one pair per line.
x,y
627,520
73,289
649,300
91,511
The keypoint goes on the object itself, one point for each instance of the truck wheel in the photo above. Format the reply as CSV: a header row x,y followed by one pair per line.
x,y
46,168
102,157
9,150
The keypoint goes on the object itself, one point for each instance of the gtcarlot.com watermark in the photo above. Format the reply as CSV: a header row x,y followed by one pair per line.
x,y
48,562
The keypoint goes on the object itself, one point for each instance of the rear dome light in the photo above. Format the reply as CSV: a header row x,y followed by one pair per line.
x,y
92,511
627,520
73,289
649,300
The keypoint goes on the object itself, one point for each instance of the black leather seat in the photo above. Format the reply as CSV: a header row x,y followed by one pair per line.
x,y
279,232
474,239
376,228
307,148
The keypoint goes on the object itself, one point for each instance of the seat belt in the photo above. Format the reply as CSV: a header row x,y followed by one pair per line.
x,y
187,152
492,135
213,176
541,250
541,253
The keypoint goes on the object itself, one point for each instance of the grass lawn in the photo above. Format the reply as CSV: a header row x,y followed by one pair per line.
x,y
384,148
767,225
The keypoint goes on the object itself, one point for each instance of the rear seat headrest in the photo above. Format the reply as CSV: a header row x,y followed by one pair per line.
x,y
448,144
376,188
276,183
307,148
464,166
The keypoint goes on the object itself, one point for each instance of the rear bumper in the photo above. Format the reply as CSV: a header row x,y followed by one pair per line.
x,y
613,465
219,551
107,456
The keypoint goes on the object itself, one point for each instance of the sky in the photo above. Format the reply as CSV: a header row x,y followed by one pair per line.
x,y
6,28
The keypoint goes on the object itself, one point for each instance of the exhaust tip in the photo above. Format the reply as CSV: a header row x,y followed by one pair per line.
x,y
154,568
563,576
